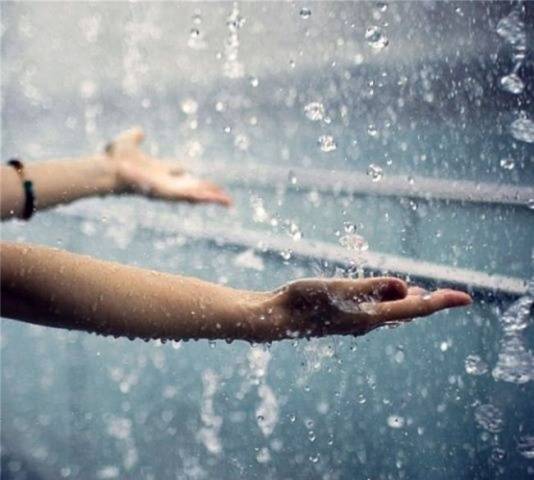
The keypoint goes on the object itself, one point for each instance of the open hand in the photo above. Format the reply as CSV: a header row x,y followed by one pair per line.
x,y
319,307
139,173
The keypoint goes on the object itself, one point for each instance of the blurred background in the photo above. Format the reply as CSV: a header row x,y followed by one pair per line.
x,y
354,137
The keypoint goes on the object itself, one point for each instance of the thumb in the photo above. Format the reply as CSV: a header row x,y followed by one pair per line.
x,y
131,137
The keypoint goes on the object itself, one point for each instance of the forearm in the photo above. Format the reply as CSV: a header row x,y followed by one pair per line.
x,y
60,289
56,182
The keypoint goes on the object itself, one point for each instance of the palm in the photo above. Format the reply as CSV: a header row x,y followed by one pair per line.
x,y
318,307
143,174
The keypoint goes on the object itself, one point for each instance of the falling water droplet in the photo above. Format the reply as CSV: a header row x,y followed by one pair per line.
x,y
294,232
314,111
512,28
395,421
522,129
285,254
254,81
375,38
305,13
197,18
326,143
375,172
372,131
474,365
525,446
354,242
189,106
241,142
349,227
381,6
489,418
497,454
507,163
512,83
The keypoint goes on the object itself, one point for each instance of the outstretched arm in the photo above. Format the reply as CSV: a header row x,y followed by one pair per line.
x,y
124,168
59,289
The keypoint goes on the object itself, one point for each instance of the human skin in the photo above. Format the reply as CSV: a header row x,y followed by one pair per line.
x,y
60,289
124,168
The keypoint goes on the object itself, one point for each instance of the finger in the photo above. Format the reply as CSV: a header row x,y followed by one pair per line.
x,y
379,288
220,198
132,136
419,306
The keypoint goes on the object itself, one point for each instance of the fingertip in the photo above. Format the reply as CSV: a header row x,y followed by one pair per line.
x,y
462,299
454,298
134,135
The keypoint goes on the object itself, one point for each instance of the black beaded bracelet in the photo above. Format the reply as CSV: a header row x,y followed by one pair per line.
x,y
27,185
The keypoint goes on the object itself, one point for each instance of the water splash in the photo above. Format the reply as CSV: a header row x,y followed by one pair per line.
x,y
249,259
515,363
232,67
354,242
267,411
212,423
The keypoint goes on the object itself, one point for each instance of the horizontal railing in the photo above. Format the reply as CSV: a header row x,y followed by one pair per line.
x,y
478,282
390,186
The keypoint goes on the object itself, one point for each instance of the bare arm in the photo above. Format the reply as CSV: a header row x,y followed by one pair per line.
x,y
59,289
124,169
56,182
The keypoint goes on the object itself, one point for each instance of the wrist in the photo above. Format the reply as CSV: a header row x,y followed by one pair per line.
x,y
107,175
264,320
